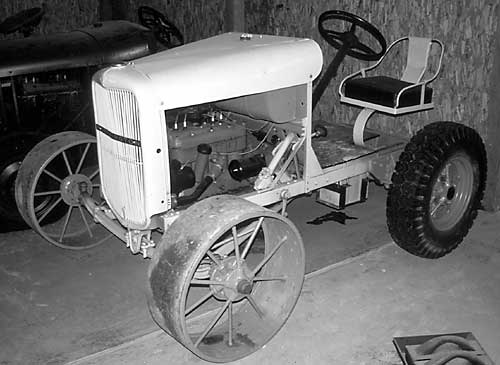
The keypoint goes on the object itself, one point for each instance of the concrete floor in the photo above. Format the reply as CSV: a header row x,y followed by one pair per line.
x,y
58,306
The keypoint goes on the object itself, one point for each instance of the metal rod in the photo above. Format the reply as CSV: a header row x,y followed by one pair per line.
x,y
236,245
198,303
329,74
230,323
85,220
66,221
263,278
67,162
252,238
268,257
214,258
52,175
44,193
209,282
50,209
82,159
255,306
212,323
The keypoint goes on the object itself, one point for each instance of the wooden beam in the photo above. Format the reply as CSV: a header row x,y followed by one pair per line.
x,y
491,199
234,16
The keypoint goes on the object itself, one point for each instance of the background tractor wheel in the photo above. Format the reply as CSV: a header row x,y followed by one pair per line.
x,y
436,190
13,148
49,184
226,277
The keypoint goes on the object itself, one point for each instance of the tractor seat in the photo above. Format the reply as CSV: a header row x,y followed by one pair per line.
x,y
383,90
395,95
407,94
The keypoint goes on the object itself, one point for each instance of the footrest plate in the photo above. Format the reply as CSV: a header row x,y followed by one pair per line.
x,y
407,348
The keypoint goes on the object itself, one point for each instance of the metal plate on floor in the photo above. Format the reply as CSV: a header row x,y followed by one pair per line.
x,y
410,348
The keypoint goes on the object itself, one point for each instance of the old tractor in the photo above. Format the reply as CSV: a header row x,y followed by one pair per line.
x,y
45,84
200,148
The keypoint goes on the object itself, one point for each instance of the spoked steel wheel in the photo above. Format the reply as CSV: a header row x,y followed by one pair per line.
x,y
226,277
49,184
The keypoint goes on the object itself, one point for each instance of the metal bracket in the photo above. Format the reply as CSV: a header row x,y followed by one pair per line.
x,y
359,126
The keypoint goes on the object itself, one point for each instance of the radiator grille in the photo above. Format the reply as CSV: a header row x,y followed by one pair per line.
x,y
122,168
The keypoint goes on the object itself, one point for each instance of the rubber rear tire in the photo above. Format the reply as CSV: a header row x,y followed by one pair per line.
x,y
436,189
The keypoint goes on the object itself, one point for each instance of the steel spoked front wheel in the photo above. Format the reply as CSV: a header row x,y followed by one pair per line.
x,y
49,185
232,281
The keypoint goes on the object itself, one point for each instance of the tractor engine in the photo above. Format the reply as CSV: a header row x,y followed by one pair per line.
x,y
205,148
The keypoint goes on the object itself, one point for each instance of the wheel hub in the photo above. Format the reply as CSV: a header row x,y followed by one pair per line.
x,y
236,277
73,186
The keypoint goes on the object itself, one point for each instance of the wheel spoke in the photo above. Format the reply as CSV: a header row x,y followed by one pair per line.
x,y
236,245
199,302
209,282
214,258
212,323
66,161
85,220
44,193
66,221
363,48
94,174
50,209
52,176
241,236
252,238
82,159
230,323
268,257
353,28
255,306
271,278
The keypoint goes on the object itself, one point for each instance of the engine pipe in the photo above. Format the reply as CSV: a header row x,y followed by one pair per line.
x,y
200,189
200,167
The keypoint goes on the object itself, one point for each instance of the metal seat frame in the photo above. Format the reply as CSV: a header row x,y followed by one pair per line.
x,y
416,67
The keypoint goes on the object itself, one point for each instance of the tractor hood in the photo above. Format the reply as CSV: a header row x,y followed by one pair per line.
x,y
102,43
217,68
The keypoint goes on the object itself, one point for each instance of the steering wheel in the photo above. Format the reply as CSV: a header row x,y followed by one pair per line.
x,y
165,32
347,40
24,21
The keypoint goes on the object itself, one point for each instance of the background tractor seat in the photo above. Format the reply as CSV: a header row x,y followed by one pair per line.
x,y
392,95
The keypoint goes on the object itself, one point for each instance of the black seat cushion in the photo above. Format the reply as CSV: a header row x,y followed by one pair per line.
x,y
383,90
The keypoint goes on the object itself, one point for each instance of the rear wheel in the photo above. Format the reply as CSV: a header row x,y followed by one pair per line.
x,y
226,277
49,185
13,148
436,190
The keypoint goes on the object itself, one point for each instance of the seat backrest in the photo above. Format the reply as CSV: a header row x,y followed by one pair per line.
x,y
418,55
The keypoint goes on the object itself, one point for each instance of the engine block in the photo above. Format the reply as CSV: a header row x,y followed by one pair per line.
x,y
223,137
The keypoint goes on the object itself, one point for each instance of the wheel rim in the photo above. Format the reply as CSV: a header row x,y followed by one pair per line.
x,y
452,192
54,209
221,299
249,289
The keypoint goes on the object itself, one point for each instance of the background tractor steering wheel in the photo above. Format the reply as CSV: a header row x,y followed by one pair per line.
x,y
347,40
25,21
165,32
